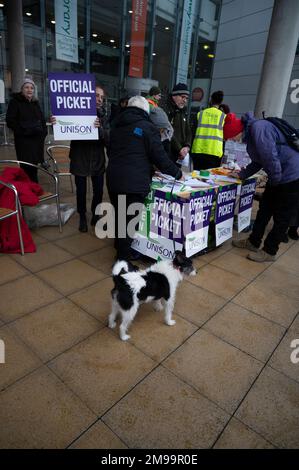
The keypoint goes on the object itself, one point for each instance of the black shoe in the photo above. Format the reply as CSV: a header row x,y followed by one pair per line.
x,y
293,233
285,238
94,219
83,224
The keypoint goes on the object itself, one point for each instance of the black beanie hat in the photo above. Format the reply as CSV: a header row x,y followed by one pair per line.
x,y
155,90
180,89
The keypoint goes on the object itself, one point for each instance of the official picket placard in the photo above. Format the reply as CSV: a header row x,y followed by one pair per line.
x,y
174,221
245,203
224,216
73,103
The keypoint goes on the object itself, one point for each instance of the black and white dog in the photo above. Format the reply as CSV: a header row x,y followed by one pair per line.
x,y
158,283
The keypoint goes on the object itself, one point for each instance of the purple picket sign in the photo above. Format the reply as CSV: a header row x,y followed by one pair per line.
x,y
226,199
201,204
167,215
247,193
72,94
176,218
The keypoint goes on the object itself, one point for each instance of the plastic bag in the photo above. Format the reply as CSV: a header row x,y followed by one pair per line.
x,y
46,214
185,162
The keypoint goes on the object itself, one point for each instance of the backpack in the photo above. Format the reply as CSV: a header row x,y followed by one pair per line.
x,y
291,134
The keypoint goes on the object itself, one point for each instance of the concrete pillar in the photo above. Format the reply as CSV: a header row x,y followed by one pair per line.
x,y
16,48
278,59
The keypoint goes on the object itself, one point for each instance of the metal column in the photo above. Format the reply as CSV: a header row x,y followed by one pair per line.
x,y
152,39
122,49
278,59
16,47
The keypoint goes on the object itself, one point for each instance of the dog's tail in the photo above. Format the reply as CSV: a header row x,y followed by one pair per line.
x,y
120,267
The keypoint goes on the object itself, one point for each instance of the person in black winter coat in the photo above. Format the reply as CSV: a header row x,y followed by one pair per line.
x,y
24,116
135,146
88,159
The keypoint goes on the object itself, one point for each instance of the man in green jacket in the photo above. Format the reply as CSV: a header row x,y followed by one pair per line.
x,y
175,108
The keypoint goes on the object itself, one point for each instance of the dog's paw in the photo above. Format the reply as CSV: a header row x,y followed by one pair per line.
x,y
112,324
125,337
158,307
170,322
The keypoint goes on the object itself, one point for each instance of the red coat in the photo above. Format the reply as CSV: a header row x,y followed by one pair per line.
x,y
28,192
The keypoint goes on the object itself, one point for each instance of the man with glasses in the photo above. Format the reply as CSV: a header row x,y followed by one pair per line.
x,y
175,108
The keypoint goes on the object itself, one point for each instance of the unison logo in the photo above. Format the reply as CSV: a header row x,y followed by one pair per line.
x,y
157,248
70,127
82,130
244,220
223,232
196,242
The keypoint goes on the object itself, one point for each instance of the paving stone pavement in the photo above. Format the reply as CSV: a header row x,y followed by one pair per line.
x,y
221,377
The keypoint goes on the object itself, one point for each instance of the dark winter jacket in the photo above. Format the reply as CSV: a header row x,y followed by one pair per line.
x,y
88,156
280,162
27,121
182,135
135,146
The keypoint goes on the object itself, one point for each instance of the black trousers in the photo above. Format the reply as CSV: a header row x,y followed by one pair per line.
x,y
81,187
31,172
203,161
281,203
123,240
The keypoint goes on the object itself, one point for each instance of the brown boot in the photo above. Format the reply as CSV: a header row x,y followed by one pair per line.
x,y
260,256
245,243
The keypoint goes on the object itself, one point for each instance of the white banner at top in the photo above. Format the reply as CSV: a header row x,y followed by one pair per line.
x,y
66,30
185,42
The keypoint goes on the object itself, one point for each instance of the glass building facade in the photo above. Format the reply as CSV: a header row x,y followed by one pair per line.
x,y
104,34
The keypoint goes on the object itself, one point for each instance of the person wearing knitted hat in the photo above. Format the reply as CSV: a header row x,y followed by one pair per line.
x,y
160,120
268,149
25,117
233,127
154,96
175,108
207,147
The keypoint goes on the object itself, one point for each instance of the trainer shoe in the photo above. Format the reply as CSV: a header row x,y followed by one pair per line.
x,y
245,243
260,256
293,233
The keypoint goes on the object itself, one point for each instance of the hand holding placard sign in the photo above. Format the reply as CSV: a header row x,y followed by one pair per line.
x,y
73,103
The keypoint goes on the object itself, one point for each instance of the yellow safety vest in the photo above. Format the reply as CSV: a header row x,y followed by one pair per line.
x,y
209,133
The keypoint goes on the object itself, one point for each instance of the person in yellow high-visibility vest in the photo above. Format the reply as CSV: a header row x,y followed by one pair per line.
x,y
207,147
